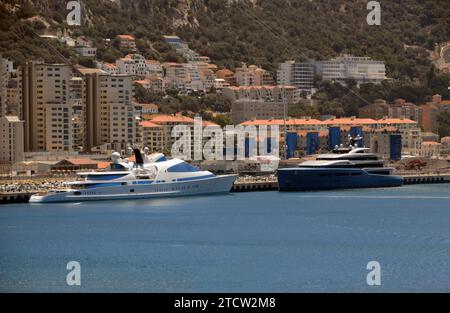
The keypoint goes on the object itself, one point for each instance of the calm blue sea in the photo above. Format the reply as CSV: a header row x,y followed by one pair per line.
x,y
248,242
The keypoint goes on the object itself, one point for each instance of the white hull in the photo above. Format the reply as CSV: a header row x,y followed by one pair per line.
x,y
134,190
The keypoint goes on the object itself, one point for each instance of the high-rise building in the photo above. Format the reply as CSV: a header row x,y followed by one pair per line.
x,y
47,107
3,86
11,140
297,74
110,115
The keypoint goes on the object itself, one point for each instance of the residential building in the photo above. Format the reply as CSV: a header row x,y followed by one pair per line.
x,y
58,126
377,110
362,69
402,109
7,87
206,74
409,130
141,67
431,111
379,140
3,86
297,74
154,68
246,109
82,41
127,42
47,107
427,136
109,68
11,140
227,75
174,41
220,83
195,83
287,94
250,76
177,75
398,109
183,49
152,83
13,97
126,66
78,113
153,136
430,149
86,51
149,108
445,149
110,114
157,130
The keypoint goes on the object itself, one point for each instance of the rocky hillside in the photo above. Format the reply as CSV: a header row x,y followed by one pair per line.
x,y
263,32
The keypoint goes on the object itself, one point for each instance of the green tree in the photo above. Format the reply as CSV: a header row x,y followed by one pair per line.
x,y
444,123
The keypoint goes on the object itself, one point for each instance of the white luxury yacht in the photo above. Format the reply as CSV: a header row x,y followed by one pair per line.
x,y
150,176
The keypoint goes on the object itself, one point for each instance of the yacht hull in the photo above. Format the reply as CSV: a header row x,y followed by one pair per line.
x,y
140,190
306,179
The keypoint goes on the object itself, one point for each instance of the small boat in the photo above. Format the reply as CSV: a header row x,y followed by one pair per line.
x,y
343,168
149,177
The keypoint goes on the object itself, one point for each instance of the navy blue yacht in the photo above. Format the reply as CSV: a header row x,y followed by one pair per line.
x,y
343,168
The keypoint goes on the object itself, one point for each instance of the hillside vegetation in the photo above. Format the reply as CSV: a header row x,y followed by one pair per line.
x,y
262,32
240,32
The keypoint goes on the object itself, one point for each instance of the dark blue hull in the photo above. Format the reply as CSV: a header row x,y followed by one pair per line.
x,y
302,179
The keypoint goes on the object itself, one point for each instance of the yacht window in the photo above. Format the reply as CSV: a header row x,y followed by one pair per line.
x,y
162,159
105,177
182,167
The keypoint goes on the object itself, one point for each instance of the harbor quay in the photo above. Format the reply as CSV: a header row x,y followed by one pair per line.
x,y
19,190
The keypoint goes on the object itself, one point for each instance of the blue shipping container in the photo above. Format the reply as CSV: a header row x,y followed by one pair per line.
x,y
291,144
396,147
312,143
334,137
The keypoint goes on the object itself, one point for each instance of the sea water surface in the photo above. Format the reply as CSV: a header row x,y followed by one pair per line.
x,y
246,242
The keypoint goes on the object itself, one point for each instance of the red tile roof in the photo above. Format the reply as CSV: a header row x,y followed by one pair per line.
x,y
125,37
281,122
396,121
431,143
148,106
336,121
238,88
162,118
81,161
150,124
208,123
349,121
